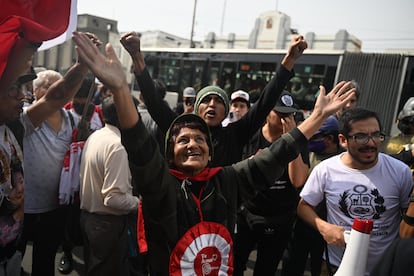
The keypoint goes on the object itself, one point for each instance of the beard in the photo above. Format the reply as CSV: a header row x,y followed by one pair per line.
x,y
356,155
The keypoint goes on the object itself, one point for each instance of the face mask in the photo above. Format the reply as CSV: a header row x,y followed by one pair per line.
x,y
317,146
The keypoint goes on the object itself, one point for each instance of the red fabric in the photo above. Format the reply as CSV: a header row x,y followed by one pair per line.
x,y
36,20
205,175
68,106
98,110
142,240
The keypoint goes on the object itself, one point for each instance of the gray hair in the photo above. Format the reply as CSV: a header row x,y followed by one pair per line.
x,y
43,78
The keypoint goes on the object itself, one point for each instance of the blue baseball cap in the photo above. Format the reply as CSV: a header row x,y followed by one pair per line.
x,y
330,125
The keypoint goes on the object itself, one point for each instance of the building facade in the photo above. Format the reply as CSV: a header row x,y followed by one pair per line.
x,y
272,30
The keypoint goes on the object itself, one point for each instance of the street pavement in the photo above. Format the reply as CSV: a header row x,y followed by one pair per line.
x,y
79,264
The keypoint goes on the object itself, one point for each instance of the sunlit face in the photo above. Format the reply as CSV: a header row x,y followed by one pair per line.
x,y
191,152
11,103
239,107
212,110
362,156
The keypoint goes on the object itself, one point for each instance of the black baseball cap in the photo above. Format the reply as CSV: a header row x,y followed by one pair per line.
x,y
285,103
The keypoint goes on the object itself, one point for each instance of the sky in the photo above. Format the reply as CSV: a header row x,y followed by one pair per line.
x,y
379,24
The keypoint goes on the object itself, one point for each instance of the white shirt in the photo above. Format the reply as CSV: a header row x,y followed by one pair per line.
x,y
378,193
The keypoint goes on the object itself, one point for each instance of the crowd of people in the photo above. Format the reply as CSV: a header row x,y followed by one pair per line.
x,y
192,191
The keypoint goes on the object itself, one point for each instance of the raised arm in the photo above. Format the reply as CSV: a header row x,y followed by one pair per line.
x,y
270,162
326,105
61,91
297,45
131,42
108,69
159,110
57,95
253,120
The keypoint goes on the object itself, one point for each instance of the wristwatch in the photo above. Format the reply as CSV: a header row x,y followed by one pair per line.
x,y
409,220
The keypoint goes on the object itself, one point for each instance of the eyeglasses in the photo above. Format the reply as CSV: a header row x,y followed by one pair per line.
x,y
363,139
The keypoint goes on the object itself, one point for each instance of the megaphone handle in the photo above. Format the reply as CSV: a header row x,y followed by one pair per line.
x,y
347,235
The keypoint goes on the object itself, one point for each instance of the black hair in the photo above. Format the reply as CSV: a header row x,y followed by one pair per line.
x,y
355,114
86,86
355,85
175,130
109,113
406,124
333,133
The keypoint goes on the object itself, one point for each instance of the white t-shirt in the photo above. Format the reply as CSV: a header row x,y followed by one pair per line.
x,y
377,193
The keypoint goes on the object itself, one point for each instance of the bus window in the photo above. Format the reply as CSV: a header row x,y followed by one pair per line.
x,y
198,75
186,75
169,73
304,86
227,77
252,76
214,73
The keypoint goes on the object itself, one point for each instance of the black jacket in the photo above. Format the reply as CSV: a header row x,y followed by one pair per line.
x,y
169,204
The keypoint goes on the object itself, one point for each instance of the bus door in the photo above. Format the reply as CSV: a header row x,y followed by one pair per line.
x,y
252,77
214,73
192,74
169,73
304,86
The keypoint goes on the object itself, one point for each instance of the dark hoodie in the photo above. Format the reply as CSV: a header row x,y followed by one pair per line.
x,y
173,205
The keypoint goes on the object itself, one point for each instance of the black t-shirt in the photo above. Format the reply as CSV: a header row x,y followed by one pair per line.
x,y
280,197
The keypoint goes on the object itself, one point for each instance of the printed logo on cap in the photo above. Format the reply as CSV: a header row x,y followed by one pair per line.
x,y
205,250
287,100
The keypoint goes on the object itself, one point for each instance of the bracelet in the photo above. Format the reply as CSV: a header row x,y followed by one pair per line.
x,y
407,219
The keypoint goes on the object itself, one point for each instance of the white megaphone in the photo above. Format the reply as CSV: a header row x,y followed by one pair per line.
x,y
354,260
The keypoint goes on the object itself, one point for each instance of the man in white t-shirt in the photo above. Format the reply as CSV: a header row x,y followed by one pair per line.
x,y
359,183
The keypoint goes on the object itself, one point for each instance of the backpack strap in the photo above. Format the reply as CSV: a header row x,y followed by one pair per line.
x,y
72,121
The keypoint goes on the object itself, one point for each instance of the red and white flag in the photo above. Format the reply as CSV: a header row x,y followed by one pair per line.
x,y
35,20
73,20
